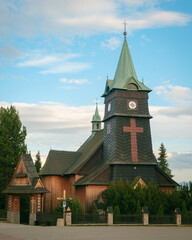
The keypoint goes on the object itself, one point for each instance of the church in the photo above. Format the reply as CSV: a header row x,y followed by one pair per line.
x,y
122,150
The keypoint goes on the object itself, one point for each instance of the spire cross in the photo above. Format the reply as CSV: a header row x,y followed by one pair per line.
x,y
133,130
125,31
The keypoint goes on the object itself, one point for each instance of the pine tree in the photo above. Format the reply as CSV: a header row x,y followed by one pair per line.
x,y
162,161
38,162
184,208
12,145
160,211
138,211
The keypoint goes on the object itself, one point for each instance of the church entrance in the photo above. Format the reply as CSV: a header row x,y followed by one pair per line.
x,y
24,209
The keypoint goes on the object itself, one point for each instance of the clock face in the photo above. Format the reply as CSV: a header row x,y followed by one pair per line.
x,y
132,105
109,107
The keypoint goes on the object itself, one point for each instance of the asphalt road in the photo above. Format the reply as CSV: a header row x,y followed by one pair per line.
x,y
10,231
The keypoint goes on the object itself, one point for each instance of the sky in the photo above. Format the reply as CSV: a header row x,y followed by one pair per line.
x,y
55,57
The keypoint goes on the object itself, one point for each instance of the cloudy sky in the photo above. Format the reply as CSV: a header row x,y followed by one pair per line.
x,y
55,56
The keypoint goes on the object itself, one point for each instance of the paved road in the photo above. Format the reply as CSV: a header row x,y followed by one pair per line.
x,y
24,232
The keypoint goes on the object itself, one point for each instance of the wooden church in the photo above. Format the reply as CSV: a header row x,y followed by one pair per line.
x,y
122,150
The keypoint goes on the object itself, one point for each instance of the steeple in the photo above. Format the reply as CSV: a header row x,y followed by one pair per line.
x,y
96,121
125,75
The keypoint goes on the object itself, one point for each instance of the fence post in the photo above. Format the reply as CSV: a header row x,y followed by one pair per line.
x,y
178,216
110,215
145,216
68,217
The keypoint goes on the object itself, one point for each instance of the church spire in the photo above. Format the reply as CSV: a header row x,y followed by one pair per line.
x,y
96,120
125,75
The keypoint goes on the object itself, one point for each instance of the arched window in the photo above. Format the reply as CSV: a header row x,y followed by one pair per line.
x,y
131,86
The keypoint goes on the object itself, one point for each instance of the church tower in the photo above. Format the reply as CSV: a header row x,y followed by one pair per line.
x,y
96,121
127,136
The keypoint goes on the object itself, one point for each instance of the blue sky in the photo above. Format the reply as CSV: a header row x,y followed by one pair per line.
x,y
55,57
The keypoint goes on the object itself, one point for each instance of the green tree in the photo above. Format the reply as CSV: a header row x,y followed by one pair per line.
x,y
116,210
12,145
184,208
162,161
160,211
38,162
138,211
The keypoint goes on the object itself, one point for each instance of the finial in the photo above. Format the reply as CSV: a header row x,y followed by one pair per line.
x,y
142,80
107,77
125,31
97,101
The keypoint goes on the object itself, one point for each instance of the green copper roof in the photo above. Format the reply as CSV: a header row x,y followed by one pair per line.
x,y
125,74
96,116
125,68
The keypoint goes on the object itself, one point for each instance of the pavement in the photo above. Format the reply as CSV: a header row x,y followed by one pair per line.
x,y
10,231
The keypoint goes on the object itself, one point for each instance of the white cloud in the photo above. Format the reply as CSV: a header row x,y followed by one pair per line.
x,y
75,81
111,43
72,17
175,94
68,67
53,64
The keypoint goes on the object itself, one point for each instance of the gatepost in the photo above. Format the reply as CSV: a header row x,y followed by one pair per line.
x,y
110,215
178,216
68,217
145,216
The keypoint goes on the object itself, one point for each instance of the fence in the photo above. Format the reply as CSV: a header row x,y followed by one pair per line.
x,y
127,219
47,219
165,219
89,219
186,220
3,214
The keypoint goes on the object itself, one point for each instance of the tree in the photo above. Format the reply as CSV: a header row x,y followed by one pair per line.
x,y
38,162
160,211
162,161
12,145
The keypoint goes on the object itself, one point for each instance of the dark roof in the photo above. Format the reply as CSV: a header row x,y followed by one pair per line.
x,y
30,167
24,190
58,162
127,172
86,151
31,173
100,176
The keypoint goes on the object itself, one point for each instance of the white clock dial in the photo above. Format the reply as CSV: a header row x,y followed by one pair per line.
x,y
132,105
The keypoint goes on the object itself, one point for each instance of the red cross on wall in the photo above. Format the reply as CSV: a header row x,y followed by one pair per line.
x,y
133,130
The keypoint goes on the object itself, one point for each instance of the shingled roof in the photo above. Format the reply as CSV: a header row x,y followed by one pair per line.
x,y
87,150
58,162
127,172
29,172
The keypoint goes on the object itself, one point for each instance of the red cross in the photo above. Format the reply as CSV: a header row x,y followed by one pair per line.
x,y
133,130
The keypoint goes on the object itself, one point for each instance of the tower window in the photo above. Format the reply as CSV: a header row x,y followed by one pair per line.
x,y
97,125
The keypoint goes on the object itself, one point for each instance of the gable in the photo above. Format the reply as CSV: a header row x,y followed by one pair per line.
x,y
140,182
20,176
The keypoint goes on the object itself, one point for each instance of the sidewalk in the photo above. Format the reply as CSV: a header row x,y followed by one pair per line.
x,y
25,232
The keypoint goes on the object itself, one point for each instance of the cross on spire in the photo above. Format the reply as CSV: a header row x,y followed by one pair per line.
x,y
125,31
133,130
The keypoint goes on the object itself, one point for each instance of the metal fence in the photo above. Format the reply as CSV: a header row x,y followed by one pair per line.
x,y
127,219
89,219
186,219
165,219
3,214
47,219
